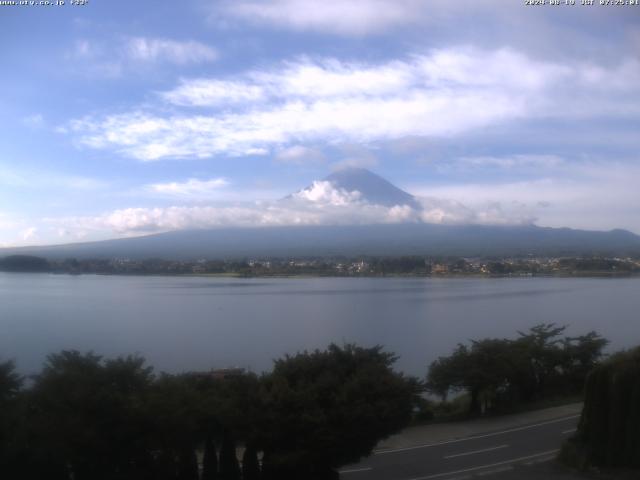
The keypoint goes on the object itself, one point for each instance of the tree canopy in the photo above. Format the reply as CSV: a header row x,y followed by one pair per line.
x,y
502,372
329,408
608,434
24,263
89,418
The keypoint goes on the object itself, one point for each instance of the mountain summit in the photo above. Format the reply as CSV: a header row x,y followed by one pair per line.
x,y
373,188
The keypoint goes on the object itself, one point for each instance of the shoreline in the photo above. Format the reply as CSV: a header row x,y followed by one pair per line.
x,y
478,276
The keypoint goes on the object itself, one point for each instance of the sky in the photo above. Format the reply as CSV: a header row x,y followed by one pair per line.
x,y
125,118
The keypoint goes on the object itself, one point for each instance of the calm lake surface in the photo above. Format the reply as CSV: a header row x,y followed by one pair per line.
x,y
192,323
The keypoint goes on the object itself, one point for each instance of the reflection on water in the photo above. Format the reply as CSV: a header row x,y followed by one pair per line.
x,y
199,323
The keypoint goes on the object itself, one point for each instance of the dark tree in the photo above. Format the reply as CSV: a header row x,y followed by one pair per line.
x,y
10,381
88,418
165,466
234,404
484,370
187,464
229,467
540,347
89,414
581,355
329,408
446,373
24,263
12,427
250,464
609,431
209,460
173,407
501,373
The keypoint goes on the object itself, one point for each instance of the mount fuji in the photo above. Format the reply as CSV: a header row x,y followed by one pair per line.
x,y
371,188
407,232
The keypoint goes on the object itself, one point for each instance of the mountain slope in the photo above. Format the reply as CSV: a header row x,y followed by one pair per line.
x,y
323,241
373,188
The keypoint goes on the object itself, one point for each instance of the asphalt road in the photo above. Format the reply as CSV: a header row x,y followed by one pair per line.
x,y
480,456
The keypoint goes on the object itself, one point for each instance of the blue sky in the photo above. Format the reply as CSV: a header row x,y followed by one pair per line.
x,y
126,118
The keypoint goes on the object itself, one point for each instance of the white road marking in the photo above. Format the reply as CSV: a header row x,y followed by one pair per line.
x,y
517,429
566,432
495,470
483,467
356,470
540,460
477,451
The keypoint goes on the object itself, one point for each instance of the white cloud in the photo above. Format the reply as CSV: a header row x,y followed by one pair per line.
x,y
444,94
591,195
29,234
173,51
398,99
192,188
16,230
324,192
438,210
207,93
299,155
320,204
595,32
302,79
128,54
332,78
356,17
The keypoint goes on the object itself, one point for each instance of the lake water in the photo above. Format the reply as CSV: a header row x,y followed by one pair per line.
x,y
192,323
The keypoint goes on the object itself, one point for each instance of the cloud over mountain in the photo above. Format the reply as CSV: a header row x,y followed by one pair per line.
x,y
352,196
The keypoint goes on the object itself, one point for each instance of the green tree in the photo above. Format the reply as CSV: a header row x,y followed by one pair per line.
x,y
89,414
485,371
328,408
234,404
608,434
447,374
174,411
540,347
24,263
581,355
11,420
501,372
